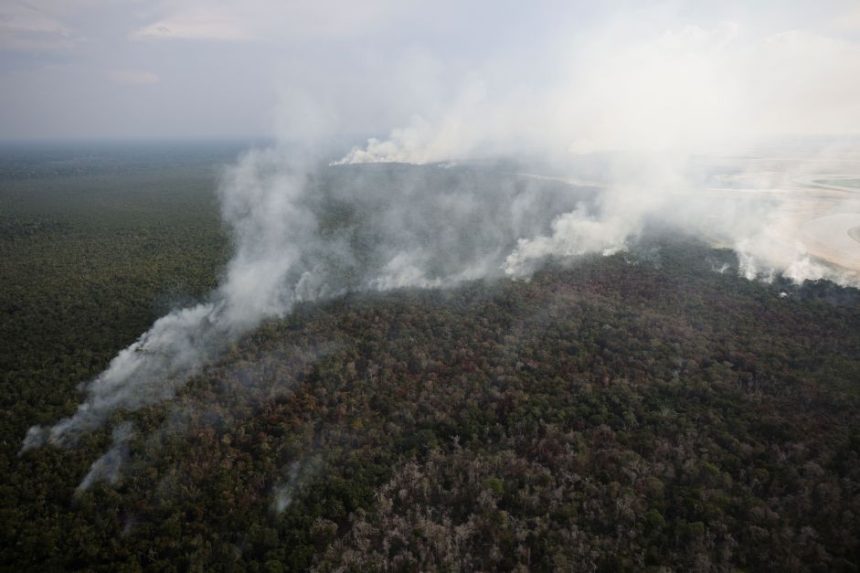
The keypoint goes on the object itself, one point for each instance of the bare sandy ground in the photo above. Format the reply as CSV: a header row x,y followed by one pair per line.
x,y
835,238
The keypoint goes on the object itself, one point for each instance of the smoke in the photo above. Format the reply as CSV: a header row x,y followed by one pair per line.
x,y
258,206
299,473
677,113
107,468
630,127
303,232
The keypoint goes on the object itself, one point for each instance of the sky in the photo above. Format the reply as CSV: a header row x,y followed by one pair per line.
x,y
420,74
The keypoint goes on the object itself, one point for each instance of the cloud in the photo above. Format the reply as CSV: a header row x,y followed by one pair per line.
x,y
134,77
26,27
196,24
267,20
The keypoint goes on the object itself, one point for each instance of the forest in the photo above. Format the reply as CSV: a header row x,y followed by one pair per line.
x,y
634,412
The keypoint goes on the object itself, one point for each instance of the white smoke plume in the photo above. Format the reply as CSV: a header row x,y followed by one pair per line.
x,y
107,468
304,231
267,226
298,474
667,105
633,126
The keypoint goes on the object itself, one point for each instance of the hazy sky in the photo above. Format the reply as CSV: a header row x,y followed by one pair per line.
x,y
204,68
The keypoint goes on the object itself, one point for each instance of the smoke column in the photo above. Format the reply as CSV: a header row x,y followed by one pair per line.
x,y
304,231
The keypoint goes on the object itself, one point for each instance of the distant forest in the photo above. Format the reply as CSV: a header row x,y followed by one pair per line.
x,y
640,411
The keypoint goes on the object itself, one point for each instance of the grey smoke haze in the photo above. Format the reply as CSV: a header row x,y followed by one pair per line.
x,y
630,110
303,232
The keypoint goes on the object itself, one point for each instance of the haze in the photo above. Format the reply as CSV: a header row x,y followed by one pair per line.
x,y
450,78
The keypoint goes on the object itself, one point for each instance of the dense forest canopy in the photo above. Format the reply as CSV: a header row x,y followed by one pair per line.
x,y
628,412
